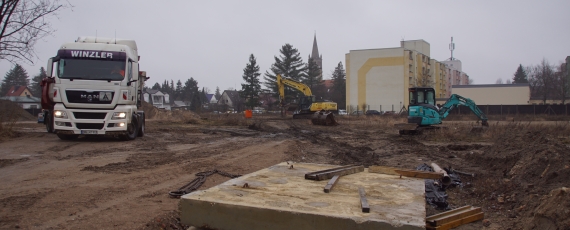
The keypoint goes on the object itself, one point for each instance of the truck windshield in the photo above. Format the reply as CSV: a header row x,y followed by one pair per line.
x,y
89,69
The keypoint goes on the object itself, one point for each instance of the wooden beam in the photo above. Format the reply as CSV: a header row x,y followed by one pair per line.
x,y
457,216
329,173
331,184
446,213
456,223
363,201
405,172
383,170
420,174
454,218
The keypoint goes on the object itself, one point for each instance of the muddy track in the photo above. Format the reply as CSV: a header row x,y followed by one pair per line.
x,y
110,184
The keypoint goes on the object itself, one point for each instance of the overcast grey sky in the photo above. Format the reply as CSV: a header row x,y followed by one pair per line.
x,y
212,40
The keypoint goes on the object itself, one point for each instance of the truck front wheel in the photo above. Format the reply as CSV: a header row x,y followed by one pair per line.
x,y
142,126
132,131
48,120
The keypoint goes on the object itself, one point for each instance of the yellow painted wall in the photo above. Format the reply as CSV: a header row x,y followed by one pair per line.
x,y
375,77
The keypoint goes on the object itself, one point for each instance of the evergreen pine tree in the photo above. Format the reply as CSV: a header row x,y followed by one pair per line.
x,y
16,76
190,90
156,86
290,65
339,86
314,78
252,87
218,94
36,80
178,91
520,76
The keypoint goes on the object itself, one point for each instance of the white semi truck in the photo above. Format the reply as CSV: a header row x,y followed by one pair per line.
x,y
94,87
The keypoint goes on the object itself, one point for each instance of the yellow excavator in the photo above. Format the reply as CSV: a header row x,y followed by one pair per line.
x,y
320,112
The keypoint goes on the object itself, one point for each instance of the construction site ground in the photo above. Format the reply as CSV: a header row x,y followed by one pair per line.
x,y
521,182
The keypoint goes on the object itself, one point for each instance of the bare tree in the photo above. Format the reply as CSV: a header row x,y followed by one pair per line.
x,y
542,80
22,24
470,82
425,79
561,82
499,81
508,81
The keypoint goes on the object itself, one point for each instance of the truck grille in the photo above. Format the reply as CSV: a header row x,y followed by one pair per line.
x,y
92,97
84,115
89,125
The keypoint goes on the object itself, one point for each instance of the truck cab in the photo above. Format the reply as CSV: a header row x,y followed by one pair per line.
x,y
94,87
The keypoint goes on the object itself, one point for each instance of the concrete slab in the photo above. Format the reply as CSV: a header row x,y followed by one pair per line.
x,y
280,198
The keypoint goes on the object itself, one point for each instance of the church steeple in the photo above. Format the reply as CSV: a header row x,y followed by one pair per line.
x,y
317,58
315,53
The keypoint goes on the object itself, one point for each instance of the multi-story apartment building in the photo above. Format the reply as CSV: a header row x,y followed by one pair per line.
x,y
379,78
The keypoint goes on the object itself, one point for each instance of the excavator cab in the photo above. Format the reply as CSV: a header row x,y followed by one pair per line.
x,y
422,96
422,109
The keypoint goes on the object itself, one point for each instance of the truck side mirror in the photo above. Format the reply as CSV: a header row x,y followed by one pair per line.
x,y
49,67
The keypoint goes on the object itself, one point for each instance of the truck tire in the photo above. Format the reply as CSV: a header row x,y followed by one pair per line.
x,y
48,120
132,131
142,126
67,137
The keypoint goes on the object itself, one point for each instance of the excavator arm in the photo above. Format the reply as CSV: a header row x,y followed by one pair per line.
x,y
281,82
293,84
456,100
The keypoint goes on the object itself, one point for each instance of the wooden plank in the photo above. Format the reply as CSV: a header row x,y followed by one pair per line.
x,y
448,219
457,223
329,173
404,172
331,184
447,213
420,174
363,201
383,170
312,175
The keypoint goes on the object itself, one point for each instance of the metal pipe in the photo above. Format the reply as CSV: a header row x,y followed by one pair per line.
x,y
446,180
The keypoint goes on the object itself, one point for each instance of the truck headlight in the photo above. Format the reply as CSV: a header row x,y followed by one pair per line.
x,y
60,114
119,115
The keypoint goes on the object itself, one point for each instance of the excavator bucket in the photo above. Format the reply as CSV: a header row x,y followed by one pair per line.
x,y
323,118
480,129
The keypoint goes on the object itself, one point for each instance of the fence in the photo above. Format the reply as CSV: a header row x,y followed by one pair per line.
x,y
516,110
487,109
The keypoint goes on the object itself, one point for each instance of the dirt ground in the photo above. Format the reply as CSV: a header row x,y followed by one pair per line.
x,y
522,168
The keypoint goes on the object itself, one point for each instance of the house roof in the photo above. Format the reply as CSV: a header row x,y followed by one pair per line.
x,y
16,90
155,91
232,95
180,104
21,99
151,91
209,96
328,83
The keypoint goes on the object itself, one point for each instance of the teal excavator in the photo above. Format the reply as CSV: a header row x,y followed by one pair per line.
x,y
424,114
